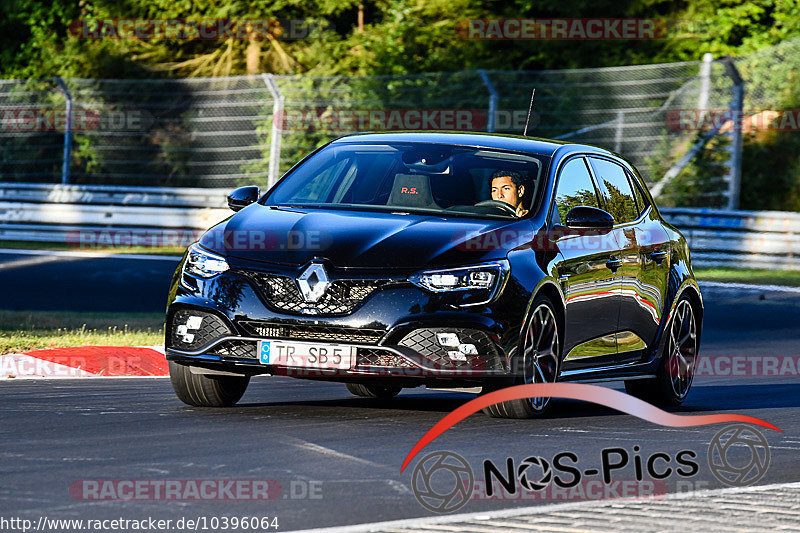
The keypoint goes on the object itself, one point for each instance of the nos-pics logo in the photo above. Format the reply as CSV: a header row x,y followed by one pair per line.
x,y
444,482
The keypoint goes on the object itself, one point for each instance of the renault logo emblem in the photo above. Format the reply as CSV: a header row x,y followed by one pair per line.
x,y
313,282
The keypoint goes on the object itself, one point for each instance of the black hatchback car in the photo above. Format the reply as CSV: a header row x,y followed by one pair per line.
x,y
449,260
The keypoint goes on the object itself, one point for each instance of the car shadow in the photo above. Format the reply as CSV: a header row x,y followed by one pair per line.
x,y
702,399
435,403
745,396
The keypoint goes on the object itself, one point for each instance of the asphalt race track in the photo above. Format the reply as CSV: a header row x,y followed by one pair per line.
x,y
345,451
84,282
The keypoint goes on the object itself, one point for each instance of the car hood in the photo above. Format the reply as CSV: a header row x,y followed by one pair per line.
x,y
295,236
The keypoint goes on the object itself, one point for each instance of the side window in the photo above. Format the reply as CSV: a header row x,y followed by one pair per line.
x,y
616,190
575,187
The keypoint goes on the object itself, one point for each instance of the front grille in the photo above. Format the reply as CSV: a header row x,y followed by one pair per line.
x,y
210,329
341,297
376,357
235,349
272,330
425,343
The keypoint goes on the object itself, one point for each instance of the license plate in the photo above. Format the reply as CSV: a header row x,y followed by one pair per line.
x,y
306,354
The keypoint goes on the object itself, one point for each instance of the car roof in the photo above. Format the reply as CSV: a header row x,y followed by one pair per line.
x,y
474,139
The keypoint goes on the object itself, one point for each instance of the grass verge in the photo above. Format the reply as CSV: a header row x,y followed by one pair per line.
x,y
763,277
23,331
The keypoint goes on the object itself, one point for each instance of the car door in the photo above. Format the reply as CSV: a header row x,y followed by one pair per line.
x,y
587,273
641,271
654,264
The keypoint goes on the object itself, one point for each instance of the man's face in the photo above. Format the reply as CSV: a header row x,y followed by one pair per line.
x,y
504,190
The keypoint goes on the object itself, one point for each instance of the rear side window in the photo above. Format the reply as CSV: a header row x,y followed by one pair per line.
x,y
616,190
575,187
641,199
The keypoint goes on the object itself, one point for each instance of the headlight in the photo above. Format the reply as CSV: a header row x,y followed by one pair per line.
x,y
204,264
483,282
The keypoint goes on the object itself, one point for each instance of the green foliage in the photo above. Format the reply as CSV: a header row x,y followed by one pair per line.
x,y
771,172
725,27
566,202
770,159
399,37
621,206
701,182
36,39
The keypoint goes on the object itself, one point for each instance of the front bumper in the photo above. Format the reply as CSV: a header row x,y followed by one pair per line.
x,y
371,360
417,356
393,332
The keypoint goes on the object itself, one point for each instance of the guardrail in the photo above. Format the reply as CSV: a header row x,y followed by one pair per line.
x,y
108,215
98,214
741,239
113,195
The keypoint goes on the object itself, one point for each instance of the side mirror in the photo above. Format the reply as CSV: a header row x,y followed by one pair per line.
x,y
242,197
585,217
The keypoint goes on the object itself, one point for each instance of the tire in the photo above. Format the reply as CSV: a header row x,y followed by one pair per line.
x,y
373,391
541,363
206,390
677,362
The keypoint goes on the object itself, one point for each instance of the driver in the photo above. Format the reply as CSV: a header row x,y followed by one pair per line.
x,y
508,186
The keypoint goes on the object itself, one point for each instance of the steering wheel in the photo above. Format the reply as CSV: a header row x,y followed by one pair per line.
x,y
500,205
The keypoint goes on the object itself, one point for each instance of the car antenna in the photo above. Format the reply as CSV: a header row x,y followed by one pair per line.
x,y
527,121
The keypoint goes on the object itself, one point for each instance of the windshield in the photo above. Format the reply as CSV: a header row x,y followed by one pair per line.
x,y
415,177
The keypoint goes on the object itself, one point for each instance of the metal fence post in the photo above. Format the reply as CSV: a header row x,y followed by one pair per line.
x,y
490,124
619,131
702,106
275,137
735,149
705,84
67,131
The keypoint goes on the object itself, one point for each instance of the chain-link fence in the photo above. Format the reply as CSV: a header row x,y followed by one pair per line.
x,y
223,132
31,152
187,132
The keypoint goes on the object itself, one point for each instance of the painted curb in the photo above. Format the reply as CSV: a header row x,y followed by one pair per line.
x,y
86,361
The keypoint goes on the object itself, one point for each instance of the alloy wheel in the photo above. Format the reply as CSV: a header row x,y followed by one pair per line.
x,y
682,349
540,355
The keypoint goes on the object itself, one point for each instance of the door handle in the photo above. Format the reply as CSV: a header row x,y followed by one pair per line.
x,y
658,256
613,264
